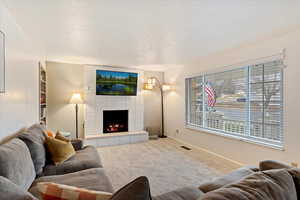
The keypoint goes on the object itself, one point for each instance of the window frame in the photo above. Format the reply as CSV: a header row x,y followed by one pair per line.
x,y
279,144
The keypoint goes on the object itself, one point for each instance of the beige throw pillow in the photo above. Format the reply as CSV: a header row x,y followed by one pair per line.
x,y
60,150
61,137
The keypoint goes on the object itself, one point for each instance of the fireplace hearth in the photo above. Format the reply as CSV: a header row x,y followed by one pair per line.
x,y
115,121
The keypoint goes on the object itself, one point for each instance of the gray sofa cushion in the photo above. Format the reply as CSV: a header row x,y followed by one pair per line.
x,y
34,138
16,163
138,189
92,179
9,190
267,185
86,158
232,177
295,173
272,164
187,193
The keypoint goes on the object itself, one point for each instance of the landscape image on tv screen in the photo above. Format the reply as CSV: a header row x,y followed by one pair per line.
x,y
116,83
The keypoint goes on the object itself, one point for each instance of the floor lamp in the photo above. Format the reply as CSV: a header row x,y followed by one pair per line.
x,y
151,83
76,99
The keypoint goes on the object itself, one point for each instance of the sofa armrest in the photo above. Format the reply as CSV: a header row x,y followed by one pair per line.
x,y
77,144
232,177
186,193
272,164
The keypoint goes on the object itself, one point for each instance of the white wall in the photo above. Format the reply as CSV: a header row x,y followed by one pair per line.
x,y
152,108
19,105
62,81
241,151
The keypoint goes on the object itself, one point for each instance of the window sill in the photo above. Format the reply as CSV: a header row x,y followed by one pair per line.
x,y
248,140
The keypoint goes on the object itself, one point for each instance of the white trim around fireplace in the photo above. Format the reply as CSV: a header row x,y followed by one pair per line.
x,y
117,138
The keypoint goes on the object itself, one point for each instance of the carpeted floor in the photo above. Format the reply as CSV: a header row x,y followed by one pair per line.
x,y
167,166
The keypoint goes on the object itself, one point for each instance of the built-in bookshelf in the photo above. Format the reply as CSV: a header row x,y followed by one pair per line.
x,y
43,94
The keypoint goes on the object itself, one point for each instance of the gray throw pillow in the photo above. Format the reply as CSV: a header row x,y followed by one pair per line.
x,y
38,130
272,164
16,163
267,185
230,178
9,190
295,173
138,189
35,138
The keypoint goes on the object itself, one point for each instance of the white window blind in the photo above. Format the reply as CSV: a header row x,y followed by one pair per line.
x,y
266,101
245,103
195,106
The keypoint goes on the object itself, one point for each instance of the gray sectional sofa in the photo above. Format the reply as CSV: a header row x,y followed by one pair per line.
x,y
24,162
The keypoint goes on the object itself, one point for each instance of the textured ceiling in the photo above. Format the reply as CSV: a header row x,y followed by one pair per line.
x,y
148,32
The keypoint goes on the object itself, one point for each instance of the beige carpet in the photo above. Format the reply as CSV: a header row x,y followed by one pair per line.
x,y
167,166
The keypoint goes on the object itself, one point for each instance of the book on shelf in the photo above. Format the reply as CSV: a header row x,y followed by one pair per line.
x,y
43,112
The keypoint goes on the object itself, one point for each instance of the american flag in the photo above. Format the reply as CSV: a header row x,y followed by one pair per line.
x,y
210,93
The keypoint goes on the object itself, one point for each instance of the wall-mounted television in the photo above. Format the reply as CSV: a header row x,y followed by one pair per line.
x,y
116,83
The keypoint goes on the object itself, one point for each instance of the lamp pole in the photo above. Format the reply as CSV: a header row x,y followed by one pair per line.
x,y
76,99
162,115
76,110
162,108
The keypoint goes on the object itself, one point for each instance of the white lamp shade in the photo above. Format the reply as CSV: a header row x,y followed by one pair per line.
x,y
148,86
152,81
76,99
166,87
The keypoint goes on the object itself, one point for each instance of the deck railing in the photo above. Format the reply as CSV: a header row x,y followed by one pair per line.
x,y
271,129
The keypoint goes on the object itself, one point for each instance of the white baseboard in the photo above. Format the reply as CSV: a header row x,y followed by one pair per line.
x,y
207,151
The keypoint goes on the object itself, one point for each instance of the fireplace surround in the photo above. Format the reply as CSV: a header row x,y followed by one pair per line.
x,y
95,105
115,121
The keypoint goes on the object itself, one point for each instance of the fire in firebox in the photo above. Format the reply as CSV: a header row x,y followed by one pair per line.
x,y
115,121
115,127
